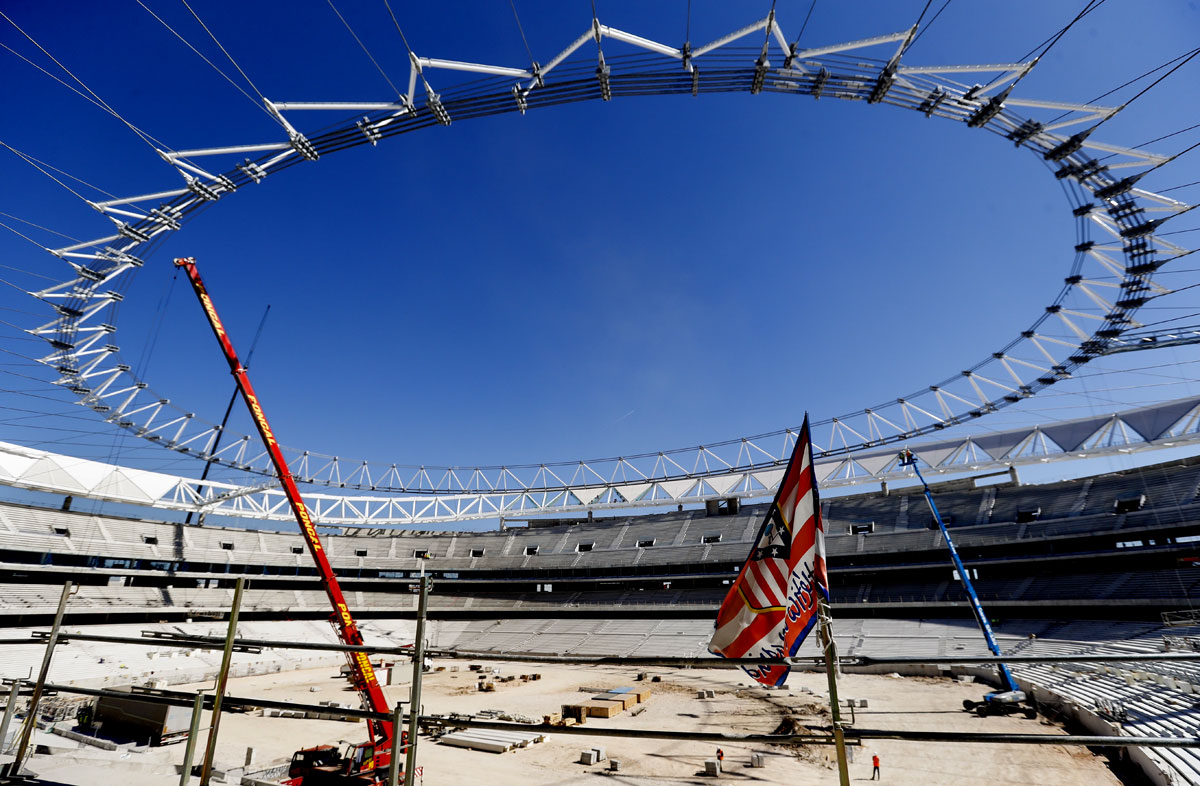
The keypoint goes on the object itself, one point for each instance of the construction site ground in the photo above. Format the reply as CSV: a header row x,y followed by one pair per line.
x,y
738,706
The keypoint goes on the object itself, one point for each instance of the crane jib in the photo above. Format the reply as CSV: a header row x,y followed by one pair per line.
x,y
362,674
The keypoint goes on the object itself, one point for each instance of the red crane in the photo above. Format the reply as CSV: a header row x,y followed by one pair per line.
x,y
366,757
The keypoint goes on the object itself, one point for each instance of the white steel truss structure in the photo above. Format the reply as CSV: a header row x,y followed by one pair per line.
x,y
1110,271
1161,426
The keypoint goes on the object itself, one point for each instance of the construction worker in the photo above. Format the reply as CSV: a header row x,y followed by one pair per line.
x,y
720,755
875,776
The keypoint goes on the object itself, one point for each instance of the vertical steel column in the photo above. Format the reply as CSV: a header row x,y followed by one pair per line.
x,y
197,710
414,707
9,710
31,714
835,712
222,681
394,764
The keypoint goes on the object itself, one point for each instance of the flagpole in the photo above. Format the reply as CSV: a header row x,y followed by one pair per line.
x,y
790,607
830,649
828,644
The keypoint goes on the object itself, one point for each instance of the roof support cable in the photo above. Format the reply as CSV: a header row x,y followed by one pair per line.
x,y
1074,143
42,228
363,46
1124,85
104,104
537,69
432,99
21,234
225,52
795,46
1052,40
1176,188
104,108
921,32
202,56
33,163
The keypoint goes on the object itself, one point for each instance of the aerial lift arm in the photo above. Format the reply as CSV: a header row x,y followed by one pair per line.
x,y
362,674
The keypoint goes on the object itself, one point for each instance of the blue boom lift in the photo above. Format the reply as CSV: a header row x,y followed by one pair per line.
x,y
1010,697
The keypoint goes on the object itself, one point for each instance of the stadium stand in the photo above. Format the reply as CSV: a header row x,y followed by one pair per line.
x,y
1079,548
1079,566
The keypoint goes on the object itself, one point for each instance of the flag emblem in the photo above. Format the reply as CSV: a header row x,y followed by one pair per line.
x,y
772,605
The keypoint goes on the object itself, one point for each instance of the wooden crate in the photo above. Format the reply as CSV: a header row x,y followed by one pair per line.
x,y
603,709
575,712
627,700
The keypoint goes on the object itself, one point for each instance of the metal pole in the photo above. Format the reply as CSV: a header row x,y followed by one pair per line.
x,y
9,710
222,681
830,648
414,707
705,662
31,713
197,709
394,764
854,735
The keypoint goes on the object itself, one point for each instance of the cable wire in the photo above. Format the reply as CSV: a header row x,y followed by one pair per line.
x,y
77,91
803,27
29,160
202,56
1052,40
141,135
224,51
396,22
921,32
1176,188
38,226
524,40
366,51
1187,58
1102,96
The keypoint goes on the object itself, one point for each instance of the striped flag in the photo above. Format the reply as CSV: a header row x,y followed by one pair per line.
x,y
772,605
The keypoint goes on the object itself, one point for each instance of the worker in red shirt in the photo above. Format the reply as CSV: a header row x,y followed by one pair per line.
x,y
875,763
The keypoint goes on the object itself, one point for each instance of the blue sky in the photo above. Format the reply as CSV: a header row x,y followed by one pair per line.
x,y
587,280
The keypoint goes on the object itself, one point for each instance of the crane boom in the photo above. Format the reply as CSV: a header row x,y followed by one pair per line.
x,y
362,674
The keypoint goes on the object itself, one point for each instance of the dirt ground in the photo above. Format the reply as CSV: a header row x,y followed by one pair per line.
x,y
894,703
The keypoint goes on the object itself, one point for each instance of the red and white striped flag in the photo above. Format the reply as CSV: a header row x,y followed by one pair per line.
x,y
772,605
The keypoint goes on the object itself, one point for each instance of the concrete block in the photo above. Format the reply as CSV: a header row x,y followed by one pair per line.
x,y
614,765
712,767
601,755
587,757
862,703
756,760
711,694
701,694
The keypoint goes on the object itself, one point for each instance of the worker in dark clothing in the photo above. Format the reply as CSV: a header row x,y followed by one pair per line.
x,y
720,755
875,763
